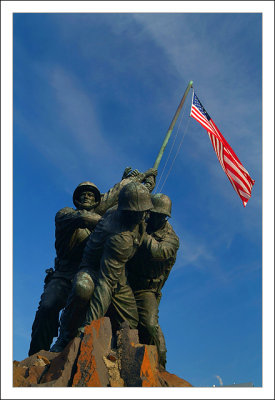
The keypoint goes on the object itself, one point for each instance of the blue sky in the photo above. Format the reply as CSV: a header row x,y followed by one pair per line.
x,y
94,93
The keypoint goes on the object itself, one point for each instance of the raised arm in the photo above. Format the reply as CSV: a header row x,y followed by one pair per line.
x,y
71,219
163,250
110,199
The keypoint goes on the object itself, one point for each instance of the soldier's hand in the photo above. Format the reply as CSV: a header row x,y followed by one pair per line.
x,y
142,229
126,172
151,172
149,175
134,173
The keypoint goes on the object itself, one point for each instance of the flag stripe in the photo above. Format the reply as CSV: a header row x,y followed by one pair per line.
x,y
236,161
235,171
203,121
236,179
228,164
245,194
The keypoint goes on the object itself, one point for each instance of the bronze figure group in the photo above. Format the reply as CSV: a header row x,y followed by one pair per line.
x,y
114,253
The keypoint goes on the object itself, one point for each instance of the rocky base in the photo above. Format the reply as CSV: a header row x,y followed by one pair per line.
x,y
95,361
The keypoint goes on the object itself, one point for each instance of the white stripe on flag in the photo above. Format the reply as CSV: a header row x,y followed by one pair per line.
x,y
236,161
236,179
237,170
245,194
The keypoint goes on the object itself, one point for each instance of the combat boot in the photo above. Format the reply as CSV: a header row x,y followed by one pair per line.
x,y
60,344
162,361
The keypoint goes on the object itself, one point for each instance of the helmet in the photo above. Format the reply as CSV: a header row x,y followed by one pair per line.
x,y
84,187
134,197
162,204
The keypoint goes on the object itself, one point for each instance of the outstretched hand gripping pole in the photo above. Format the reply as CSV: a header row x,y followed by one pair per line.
x,y
168,134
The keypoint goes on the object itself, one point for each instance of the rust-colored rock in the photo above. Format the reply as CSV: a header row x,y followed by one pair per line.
x,y
19,375
29,371
46,361
91,361
148,368
91,370
111,357
172,380
34,374
60,370
36,358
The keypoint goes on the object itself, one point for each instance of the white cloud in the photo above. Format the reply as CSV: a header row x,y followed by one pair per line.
x,y
77,113
193,251
72,139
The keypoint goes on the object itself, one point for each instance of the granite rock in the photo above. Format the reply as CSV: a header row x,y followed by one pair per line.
x,y
97,359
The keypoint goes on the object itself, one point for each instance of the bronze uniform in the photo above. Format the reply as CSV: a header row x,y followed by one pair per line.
x,y
72,229
147,272
101,281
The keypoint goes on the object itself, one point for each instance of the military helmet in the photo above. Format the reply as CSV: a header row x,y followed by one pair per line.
x,y
134,197
86,187
162,204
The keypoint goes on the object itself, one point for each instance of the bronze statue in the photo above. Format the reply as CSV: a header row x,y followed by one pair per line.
x,y
149,269
101,281
73,227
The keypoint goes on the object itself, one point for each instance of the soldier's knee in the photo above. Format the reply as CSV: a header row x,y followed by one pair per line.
x,y
149,326
152,329
83,287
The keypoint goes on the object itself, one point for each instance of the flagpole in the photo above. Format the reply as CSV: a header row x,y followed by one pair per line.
x,y
168,134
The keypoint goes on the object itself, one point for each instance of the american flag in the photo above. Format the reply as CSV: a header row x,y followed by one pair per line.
x,y
237,174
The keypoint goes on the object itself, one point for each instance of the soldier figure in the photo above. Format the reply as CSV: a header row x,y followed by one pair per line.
x,y
73,227
149,269
101,281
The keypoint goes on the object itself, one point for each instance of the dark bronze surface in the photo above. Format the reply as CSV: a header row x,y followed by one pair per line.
x,y
72,229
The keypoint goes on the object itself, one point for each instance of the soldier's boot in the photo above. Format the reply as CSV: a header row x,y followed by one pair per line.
x,y
66,334
73,316
60,344
152,334
162,359
161,347
70,320
44,329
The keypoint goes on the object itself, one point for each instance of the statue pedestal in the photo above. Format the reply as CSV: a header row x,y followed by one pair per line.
x,y
93,361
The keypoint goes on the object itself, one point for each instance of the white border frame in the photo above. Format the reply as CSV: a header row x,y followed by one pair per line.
x,y
265,7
